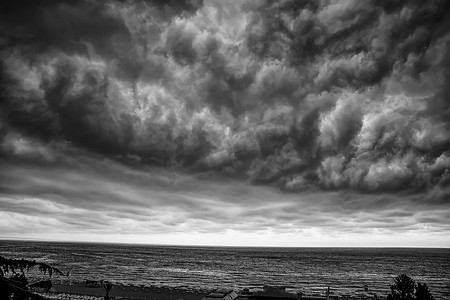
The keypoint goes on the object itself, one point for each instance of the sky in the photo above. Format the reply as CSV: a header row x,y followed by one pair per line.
x,y
223,122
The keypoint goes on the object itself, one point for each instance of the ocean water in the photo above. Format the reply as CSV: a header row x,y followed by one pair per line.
x,y
310,270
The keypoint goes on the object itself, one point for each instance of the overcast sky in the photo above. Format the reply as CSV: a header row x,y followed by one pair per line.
x,y
275,123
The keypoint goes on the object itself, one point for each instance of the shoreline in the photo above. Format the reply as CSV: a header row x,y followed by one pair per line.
x,y
79,291
128,292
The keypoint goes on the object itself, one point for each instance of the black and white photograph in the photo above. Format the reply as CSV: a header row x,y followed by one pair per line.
x,y
225,149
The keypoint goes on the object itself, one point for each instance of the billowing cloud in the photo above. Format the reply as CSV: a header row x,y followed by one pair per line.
x,y
299,97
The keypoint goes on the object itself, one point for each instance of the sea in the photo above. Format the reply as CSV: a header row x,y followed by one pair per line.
x,y
307,270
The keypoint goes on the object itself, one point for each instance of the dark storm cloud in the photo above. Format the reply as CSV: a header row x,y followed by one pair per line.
x,y
62,26
305,96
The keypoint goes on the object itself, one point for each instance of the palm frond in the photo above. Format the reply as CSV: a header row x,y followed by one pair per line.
x,y
8,265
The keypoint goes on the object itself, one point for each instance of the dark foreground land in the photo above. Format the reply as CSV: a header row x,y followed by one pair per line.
x,y
80,291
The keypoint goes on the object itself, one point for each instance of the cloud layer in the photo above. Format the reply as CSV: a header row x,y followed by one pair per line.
x,y
113,203
305,97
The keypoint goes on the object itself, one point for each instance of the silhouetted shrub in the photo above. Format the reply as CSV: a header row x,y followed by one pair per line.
x,y
405,288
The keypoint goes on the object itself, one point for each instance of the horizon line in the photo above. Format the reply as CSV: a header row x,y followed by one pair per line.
x,y
11,239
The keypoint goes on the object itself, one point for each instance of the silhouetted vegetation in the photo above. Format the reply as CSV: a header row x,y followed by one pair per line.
x,y
107,286
13,282
405,288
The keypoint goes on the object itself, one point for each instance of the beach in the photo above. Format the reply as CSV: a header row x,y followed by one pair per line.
x,y
79,291
129,292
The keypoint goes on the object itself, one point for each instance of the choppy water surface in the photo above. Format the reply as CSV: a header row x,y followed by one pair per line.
x,y
310,270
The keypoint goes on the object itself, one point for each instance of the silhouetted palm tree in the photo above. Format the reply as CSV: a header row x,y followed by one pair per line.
x,y
13,280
